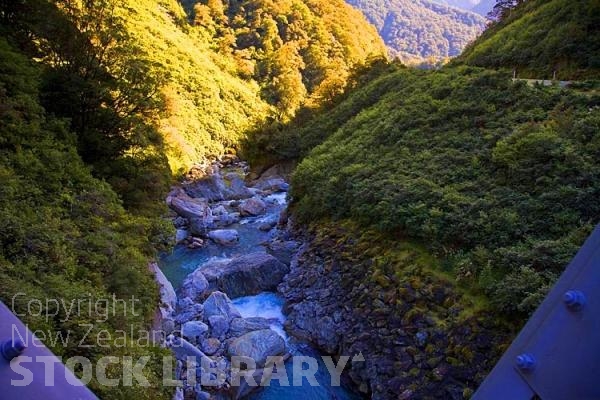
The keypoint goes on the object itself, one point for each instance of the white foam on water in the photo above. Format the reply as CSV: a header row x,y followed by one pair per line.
x,y
216,260
264,305
277,198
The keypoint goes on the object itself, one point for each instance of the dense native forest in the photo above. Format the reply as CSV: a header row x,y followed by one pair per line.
x,y
423,30
105,103
300,52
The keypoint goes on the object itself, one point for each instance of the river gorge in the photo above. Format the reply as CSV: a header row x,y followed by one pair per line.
x,y
250,283
234,242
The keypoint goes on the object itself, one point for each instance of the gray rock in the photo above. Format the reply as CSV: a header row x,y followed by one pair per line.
x,y
199,226
187,206
241,326
194,331
211,187
182,349
165,314
219,325
226,220
257,345
168,297
191,313
236,188
210,346
219,210
283,251
274,184
195,285
252,207
246,275
184,302
224,237
219,304
266,227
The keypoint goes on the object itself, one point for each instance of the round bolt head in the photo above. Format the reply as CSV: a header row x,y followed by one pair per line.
x,y
11,349
574,300
525,362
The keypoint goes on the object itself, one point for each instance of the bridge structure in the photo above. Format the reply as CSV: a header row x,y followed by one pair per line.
x,y
29,370
556,356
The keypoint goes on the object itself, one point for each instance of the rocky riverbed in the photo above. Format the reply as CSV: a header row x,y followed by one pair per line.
x,y
219,285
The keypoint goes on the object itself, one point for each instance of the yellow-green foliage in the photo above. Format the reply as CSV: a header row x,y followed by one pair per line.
x,y
65,236
208,108
300,51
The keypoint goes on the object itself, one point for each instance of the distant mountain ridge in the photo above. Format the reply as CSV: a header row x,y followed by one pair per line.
x,y
481,7
416,30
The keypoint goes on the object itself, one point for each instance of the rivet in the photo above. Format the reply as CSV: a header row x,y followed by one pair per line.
x,y
525,362
11,349
574,300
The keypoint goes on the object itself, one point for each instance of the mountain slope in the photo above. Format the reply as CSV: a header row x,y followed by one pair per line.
x,y
415,30
540,37
300,51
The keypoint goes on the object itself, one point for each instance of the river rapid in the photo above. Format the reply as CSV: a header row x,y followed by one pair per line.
x,y
252,229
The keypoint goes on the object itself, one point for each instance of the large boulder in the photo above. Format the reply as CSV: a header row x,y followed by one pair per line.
x,y
236,187
194,331
252,207
225,237
188,207
165,314
283,250
247,275
168,298
212,187
199,226
219,304
195,285
219,325
210,346
257,345
274,184
241,326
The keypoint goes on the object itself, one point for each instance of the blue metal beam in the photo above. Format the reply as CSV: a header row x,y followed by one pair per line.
x,y
556,356
16,343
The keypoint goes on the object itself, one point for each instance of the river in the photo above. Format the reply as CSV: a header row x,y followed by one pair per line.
x,y
183,260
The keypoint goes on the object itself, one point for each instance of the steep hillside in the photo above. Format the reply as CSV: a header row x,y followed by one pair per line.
x,y
300,51
497,178
416,30
540,37
65,236
207,105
